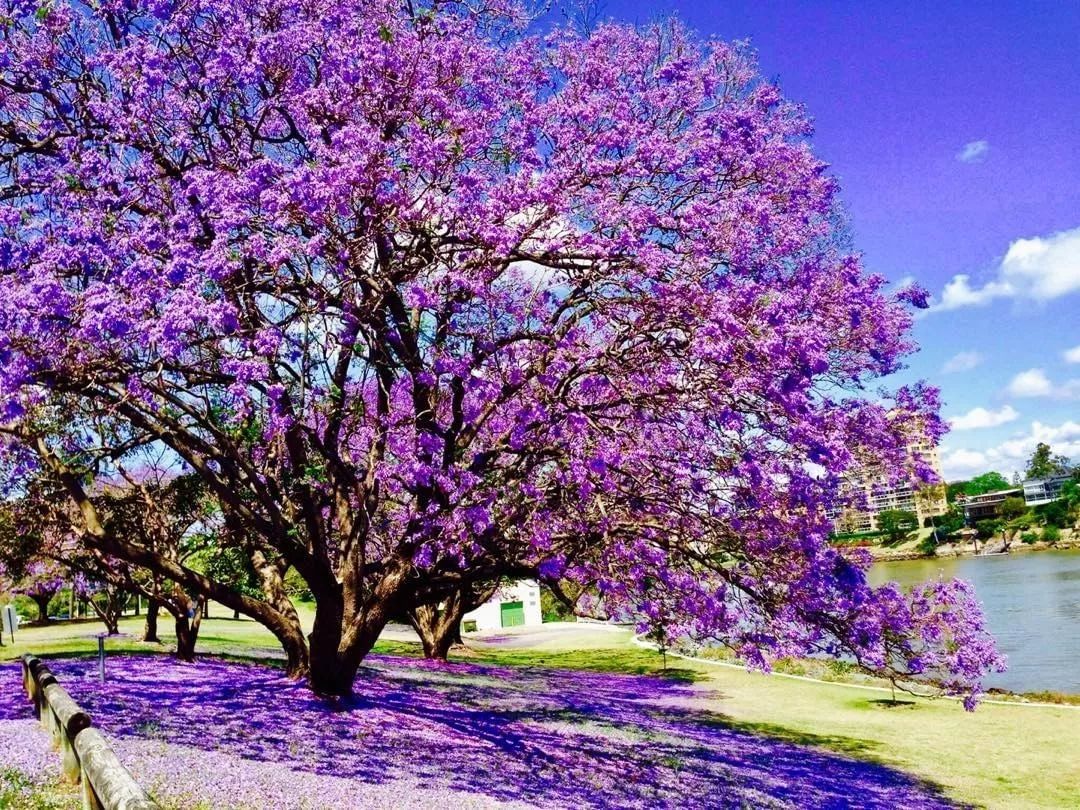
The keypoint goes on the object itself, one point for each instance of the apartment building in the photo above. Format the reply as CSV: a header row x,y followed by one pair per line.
x,y
873,492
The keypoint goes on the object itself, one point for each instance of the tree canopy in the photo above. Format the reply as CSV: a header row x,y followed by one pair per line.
x,y
987,482
1046,464
426,299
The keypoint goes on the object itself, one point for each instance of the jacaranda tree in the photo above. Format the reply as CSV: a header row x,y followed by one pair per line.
x,y
428,300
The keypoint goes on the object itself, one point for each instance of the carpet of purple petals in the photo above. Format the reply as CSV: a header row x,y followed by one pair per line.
x,y
25,749
229,735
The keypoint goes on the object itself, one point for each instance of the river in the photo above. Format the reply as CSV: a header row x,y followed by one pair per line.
x,y
1032,606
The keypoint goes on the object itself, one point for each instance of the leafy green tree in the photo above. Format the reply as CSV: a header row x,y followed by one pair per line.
x,y
1070,495
1012,508
952,520
1044,464
1055,513
953,489
987,482
988,528
897,524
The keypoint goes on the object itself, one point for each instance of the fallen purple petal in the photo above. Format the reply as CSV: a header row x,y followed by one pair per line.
x,y
233,735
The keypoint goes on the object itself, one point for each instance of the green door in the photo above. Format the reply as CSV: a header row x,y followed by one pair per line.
x,y
513,614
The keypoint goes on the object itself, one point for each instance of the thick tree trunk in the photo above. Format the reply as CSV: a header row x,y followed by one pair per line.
x,y
187,634
439,627
291,637
286,626
334,667
185,638
150,628
340,638
42,602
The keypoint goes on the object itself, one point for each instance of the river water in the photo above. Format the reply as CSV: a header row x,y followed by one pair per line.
x,y
1032,606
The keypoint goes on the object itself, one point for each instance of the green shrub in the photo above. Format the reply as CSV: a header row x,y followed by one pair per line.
x,y
1029,537
1051,534
928,546
1055,514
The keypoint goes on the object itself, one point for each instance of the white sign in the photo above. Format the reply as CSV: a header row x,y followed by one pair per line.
x,y
11,619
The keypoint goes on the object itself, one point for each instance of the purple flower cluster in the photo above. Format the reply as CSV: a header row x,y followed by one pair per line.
x,y
420,734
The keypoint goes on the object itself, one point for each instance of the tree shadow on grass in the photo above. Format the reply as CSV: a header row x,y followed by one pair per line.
x,y
556,738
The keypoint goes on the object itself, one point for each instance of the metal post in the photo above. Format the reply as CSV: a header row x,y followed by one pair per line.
x,y
101,656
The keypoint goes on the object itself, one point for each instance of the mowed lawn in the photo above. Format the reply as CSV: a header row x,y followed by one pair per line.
x,y
1008,756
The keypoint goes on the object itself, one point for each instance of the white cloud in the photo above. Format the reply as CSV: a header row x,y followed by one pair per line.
x,y
978,418
1040,269
962,463
1012,455
959,293
1031,383
1035,383
1072,355
963,361
973,152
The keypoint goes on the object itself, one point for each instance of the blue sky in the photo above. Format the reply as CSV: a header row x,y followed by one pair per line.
x,y
955,131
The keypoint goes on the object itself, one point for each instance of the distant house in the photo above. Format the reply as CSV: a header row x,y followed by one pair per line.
x,y
988,505
513,605
1038,491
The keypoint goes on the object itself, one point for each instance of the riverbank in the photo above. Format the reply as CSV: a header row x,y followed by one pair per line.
x,y
1070,539
974,758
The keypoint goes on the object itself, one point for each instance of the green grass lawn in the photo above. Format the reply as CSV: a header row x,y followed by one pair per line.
x,y
1002,756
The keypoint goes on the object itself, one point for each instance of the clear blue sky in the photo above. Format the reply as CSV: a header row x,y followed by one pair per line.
x,y
954,128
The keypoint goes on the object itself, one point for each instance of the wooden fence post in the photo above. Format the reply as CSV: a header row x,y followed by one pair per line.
x,y
104,782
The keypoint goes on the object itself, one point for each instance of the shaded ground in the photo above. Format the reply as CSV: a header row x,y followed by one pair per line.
x,y
240,735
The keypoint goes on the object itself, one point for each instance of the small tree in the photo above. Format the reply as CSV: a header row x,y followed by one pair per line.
x,y
40,582
1046,464
1055,513
952,521
1012,508
898,525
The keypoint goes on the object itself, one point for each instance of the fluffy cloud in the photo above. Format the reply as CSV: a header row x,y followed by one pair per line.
x,y
973,152
1040,269
1012,455
982,418
1031,383
1072,355
964,361
1035,383
963,463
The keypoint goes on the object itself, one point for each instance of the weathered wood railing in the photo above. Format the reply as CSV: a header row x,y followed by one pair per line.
x,y
87,758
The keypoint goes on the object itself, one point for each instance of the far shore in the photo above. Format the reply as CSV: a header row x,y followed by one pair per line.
x,y
1070,540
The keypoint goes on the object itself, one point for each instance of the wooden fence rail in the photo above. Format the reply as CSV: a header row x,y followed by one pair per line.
x,y
87,758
